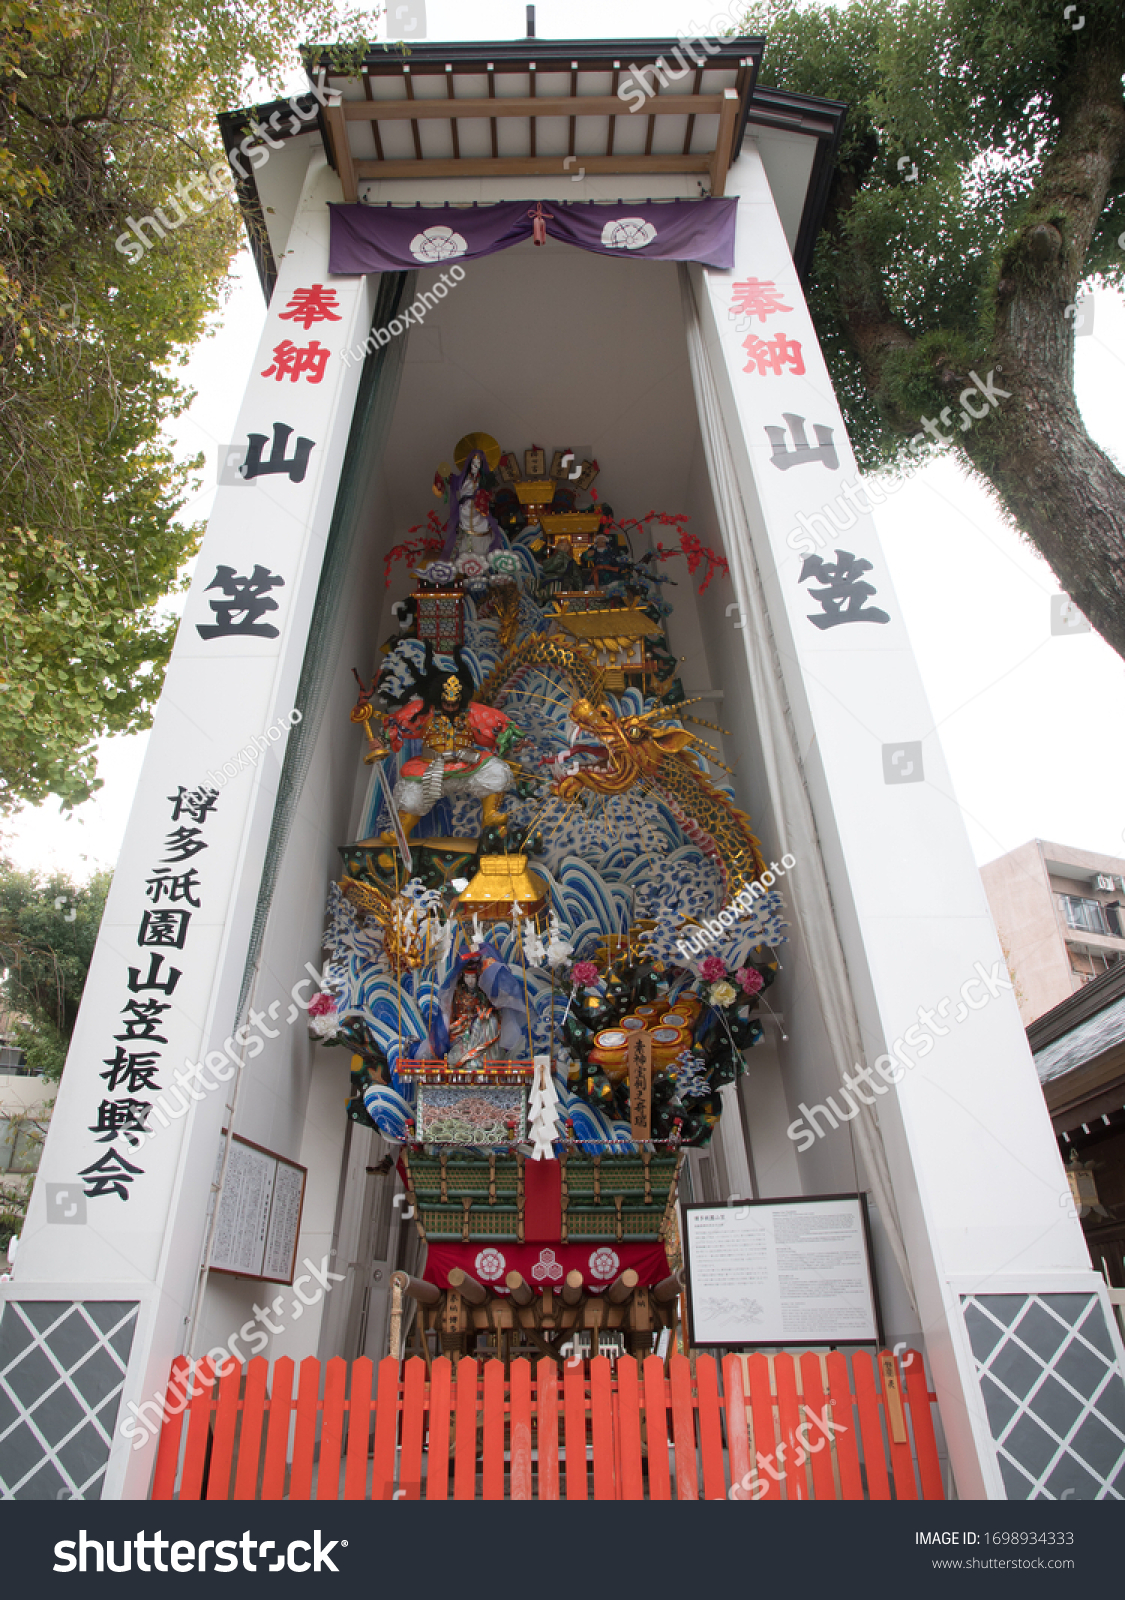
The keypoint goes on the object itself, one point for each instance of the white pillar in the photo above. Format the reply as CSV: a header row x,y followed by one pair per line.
x,y
137,1242
1000,1267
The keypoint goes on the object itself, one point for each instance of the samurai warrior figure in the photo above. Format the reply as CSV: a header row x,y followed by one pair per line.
x,y
560,568
462,743
605,561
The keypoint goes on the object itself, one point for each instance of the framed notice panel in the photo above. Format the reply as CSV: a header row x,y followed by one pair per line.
x,y
259,1214
781,1272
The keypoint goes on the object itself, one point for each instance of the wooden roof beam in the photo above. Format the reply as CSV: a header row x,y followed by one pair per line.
x,y
720,160
670,105
453,120
529,167
691,119
409,81
374,126
341,150
612,133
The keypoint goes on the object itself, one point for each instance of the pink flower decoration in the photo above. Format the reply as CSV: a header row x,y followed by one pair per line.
x,y
321,1004
713,969
749,979
584,972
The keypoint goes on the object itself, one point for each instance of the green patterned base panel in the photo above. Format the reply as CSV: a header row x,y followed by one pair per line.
x,y
460,1197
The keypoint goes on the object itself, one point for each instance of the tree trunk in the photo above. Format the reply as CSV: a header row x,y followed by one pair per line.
x,y
1066,495
1059,488
1055,482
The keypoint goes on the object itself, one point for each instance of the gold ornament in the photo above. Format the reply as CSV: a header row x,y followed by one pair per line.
x,y
409,940
369,898
476,441
500,883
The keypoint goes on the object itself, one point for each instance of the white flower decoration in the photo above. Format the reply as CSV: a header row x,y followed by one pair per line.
x,y
604,1263
437,244
490,1265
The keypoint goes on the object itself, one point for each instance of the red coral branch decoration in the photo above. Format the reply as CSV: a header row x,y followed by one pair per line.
x,y
412,550
695,551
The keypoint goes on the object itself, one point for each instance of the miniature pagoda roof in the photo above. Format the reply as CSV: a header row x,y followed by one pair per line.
x,y
525,107
626,623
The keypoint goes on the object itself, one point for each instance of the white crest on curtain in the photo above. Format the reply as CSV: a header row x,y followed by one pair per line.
x,y
628,233
437,244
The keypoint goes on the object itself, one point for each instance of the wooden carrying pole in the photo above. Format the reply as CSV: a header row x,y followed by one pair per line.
x,y
572,1289
621,1288
418,1289
668,1288
468,1288
520,1291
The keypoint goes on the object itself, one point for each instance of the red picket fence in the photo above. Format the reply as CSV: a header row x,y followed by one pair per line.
x,y
582,1431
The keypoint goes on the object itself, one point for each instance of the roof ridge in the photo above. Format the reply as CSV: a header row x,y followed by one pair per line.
x,y
1079,1007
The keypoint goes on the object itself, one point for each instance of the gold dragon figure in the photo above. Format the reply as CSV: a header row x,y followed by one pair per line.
x,y
636,750
545,650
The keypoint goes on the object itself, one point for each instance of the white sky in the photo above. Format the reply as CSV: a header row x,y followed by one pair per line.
x,y
1031,723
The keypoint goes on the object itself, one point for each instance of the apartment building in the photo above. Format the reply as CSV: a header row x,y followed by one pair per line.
x,y
1060,913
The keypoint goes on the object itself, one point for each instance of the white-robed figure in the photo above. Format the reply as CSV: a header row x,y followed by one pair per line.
x,y
471,525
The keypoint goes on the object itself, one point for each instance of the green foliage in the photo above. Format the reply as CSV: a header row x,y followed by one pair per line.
x,y
48,928
104,111
13,1211
970,94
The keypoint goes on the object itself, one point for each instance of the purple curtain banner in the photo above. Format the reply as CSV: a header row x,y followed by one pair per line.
x,y
390,238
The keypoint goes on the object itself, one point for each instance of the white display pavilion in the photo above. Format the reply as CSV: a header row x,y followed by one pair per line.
x,y
978,1252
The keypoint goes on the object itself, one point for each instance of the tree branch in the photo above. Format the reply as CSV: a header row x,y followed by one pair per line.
x,y
1052,479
